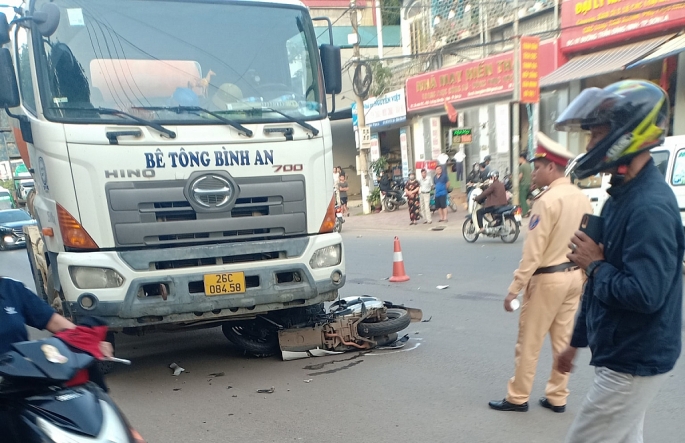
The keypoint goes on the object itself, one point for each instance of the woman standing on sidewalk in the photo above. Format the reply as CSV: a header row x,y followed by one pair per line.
x,y
412,190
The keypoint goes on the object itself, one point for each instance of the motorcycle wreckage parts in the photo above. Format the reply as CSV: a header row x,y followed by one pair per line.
x,y
253,338
394,321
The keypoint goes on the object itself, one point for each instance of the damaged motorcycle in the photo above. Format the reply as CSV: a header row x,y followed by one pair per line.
x,y
352,323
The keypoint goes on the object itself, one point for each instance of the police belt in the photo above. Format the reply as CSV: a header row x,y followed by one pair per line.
x,y
564,267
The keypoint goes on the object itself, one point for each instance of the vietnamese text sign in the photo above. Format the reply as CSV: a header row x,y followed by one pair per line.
x,y
530,81
385,110
589,23
469,81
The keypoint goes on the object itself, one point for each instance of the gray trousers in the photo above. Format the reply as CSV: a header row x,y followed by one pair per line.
x,y
425,206
614,409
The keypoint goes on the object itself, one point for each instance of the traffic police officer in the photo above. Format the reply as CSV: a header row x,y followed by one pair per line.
x,y
552,283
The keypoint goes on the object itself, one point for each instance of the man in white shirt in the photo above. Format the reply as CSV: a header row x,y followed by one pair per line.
x,y
459,158
425,186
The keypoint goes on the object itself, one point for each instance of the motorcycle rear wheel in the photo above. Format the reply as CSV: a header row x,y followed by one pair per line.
x,y
469,231
453,206
259,342
390,205
512,229
397,320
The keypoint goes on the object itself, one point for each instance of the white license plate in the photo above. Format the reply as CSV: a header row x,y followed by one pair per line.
x,y
517,217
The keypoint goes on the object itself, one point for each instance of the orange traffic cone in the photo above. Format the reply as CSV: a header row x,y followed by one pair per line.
x,y
398,274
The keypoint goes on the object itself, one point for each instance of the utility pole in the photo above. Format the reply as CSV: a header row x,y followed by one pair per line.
x,y
361,120
516,106
379,29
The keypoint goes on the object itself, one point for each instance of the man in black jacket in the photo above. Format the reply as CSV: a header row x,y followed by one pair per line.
x,y
631,312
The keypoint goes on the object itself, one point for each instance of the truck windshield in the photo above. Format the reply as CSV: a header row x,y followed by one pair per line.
x,y
147,58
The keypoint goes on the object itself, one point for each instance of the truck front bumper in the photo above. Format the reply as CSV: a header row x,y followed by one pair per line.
x,y
277,272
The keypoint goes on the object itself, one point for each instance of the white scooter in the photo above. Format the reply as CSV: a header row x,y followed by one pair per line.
x,y
505,222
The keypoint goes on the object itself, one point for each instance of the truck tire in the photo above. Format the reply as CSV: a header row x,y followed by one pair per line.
x,y
398,319
259,343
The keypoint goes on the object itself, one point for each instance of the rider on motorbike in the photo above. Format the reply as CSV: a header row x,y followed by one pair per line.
x,y
385,185
495,197
21,308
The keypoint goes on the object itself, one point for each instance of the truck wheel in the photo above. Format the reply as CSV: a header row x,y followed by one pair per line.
x,y
253,340
397,320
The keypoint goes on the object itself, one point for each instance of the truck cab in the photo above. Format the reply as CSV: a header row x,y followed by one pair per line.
x,y
181,153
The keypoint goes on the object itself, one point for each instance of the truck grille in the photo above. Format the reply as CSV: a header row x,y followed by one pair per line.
x,y
158,213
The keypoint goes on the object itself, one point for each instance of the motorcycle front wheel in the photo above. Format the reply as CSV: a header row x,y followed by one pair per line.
x,y
397,320
390,205
510,230
469,231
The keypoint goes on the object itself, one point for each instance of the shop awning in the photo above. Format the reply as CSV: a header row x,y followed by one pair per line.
x,y
671,47
602,62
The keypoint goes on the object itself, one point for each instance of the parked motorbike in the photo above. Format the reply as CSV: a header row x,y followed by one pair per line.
x,y
339,219
37,405
505,222
452,204
393,201
351,323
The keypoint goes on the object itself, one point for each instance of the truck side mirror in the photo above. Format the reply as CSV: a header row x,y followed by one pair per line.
x,y
332,68
9,90
4,30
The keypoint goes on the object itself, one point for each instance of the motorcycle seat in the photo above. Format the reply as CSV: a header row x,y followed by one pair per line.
x,y
503,209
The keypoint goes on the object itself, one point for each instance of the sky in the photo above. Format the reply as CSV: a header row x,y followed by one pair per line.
x,y
8,11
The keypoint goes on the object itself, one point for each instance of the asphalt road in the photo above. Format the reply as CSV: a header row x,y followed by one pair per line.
x,y
436,389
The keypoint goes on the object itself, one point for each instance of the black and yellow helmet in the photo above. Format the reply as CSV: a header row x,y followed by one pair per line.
x,y
637,112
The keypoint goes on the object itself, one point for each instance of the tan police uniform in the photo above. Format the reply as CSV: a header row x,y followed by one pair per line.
x,y
552,285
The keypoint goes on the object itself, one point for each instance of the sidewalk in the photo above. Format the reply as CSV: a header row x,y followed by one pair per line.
x,y
399,220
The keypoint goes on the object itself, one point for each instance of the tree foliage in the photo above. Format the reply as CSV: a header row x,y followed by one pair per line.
x,y
390,12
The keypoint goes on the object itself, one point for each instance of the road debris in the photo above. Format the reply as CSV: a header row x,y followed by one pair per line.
x,y
426,321
177,369
308,380
266,391
442,286
449,276
295,355
397,344
216,374
229,387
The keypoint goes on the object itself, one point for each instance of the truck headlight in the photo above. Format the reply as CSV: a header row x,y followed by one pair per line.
x,y
95,278
325,257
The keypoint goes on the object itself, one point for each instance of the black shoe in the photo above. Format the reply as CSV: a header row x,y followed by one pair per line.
x,y
546,404
504,405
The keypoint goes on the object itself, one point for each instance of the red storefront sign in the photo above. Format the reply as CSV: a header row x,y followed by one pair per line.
x,y
429,165
530,80
470,81
591,23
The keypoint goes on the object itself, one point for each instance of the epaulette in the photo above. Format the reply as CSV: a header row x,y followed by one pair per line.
x,y
541,193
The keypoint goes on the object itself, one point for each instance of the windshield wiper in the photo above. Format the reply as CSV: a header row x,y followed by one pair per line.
x,y
290,118
299,121
109,111
180,109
